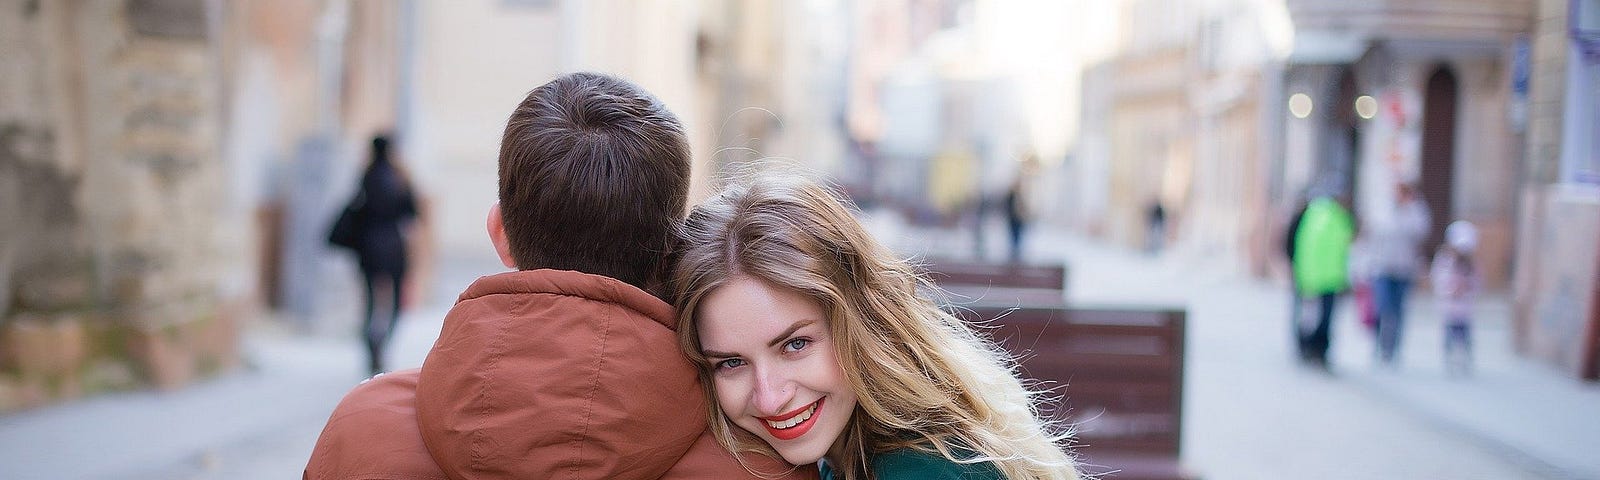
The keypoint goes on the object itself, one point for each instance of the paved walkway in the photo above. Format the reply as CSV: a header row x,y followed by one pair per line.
x,y
1250,413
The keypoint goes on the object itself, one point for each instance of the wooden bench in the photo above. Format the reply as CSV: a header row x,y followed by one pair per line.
x,y
1120,373
1006,284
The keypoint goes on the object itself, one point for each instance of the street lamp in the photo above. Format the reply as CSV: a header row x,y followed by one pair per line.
x,y
1300,105
1366,106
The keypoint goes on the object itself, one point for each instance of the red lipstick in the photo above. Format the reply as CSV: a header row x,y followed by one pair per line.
x,y
799,429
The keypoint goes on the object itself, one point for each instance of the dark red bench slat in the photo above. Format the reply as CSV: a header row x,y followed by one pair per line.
x,y
1119,373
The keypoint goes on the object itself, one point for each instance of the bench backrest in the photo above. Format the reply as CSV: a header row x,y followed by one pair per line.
x,y
1009,275
1119,371
1008,285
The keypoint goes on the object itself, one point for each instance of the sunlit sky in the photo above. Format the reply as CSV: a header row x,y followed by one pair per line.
x,y
1044,45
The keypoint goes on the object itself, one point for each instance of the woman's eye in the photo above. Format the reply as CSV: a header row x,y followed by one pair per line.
x,y
729,363
796,344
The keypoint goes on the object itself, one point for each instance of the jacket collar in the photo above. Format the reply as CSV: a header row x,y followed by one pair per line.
x,y
577,284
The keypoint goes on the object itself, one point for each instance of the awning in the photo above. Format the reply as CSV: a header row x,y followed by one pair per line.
x,y
1326,48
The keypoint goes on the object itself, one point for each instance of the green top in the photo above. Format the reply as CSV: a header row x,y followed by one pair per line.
x,y
1322,248
913,464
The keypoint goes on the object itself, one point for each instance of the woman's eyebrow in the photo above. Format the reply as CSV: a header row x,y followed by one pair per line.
x,y
786,333
772,343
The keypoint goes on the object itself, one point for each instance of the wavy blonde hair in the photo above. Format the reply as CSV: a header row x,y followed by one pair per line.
x,y
924,379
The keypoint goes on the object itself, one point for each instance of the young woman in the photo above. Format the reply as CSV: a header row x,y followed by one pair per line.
x,y
384,207
817,347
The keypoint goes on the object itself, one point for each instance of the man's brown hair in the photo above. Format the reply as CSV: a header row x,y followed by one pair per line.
x,y
594,175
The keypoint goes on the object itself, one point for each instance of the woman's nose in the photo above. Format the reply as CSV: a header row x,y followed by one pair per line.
x,y
773,392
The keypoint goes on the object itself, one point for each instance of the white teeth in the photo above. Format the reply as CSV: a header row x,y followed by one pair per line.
x,y
795,420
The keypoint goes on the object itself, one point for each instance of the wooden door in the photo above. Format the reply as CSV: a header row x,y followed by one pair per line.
x,y
1437,180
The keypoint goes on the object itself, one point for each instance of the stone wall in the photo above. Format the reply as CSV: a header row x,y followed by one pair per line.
x,y
108,174
1558,229
1547,91
1553,308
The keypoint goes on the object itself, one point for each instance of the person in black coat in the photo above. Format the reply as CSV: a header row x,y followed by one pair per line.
x,y
387,206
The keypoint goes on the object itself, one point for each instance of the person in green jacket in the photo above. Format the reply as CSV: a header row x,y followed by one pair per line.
x,y
816,345
1321,250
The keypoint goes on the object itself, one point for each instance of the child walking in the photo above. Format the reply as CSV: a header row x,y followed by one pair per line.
x,y
1455,283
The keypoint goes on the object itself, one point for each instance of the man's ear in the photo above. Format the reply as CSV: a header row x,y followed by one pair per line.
x,y
497,236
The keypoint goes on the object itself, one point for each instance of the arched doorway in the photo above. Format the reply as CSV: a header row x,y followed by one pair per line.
x,y
1437,175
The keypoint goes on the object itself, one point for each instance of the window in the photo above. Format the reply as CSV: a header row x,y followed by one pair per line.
x,y
1580,149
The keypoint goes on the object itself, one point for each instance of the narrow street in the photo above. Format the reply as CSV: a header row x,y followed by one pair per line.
x,y
1250,412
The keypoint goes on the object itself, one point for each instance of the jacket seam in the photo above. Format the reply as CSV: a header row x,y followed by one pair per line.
x,y
588,397
492,363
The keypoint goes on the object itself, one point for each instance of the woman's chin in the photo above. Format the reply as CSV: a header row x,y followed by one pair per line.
x,y
799,458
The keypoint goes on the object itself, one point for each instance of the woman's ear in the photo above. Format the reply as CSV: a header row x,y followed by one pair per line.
x,y
497,236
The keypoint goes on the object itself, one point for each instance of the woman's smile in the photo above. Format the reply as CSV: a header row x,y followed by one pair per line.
x,y
792,425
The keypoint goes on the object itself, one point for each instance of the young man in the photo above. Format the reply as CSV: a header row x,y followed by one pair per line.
x,y
569,366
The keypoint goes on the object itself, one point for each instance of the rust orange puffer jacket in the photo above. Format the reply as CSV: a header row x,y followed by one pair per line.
x,y
537,374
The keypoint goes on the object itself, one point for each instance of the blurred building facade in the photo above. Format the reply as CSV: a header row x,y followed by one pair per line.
x,y
897,101
168,168
771,78
110,141
1182,115
175,164
1487,106
171,167
1413,91
1556,294
1149,118
950,101
1239,75
1195,113
943,129
307,84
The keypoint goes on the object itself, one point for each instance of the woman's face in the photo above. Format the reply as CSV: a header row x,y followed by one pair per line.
x,y
774,367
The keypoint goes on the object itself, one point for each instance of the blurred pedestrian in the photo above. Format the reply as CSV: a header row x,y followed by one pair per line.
x,y
1156,227
379,214
1321,249
1395,241
1361,277
1455,283
567,367
978,211
1016,209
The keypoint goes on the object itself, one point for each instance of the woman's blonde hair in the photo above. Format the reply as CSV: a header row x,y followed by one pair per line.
x,y
922,377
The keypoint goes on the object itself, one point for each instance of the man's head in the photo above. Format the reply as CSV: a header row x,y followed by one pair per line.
x,y
1404,192
380,148
594,174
